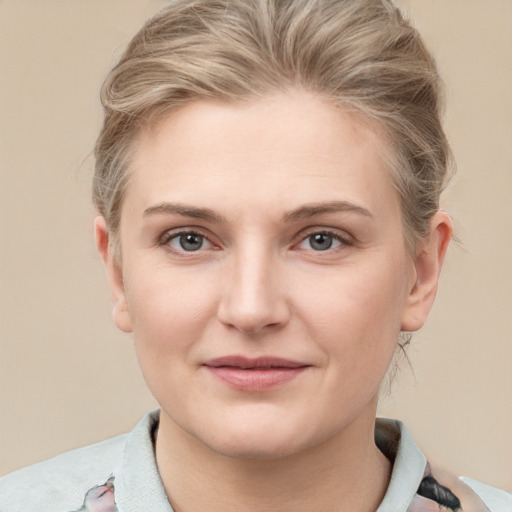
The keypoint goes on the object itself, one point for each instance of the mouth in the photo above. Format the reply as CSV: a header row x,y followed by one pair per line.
x,y
254,374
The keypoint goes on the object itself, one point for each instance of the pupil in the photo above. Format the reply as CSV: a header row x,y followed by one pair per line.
x,y
191,242
321,242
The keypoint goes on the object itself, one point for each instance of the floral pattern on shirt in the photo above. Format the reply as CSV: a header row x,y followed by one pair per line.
x,y
432,496
441,492
100,498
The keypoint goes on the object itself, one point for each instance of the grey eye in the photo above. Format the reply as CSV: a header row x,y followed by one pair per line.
x,y
188,242
320,241
191,242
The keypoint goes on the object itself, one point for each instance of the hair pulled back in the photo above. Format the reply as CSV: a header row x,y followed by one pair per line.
x,y
360,54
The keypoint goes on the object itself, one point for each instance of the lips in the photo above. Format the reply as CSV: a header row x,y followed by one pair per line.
x,y
254,374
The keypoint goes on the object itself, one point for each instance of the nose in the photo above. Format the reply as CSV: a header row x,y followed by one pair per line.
x,y
253,298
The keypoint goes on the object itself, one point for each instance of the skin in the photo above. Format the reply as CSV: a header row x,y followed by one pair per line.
x,y
272,173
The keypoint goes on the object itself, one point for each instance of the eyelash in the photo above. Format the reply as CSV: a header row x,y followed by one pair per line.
x,y
344,242
169,236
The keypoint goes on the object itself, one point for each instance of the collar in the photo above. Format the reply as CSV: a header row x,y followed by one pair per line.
x,y
137,481
138,485
395,441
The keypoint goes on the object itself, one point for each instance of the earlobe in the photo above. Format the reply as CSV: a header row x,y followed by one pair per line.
x,y
428,263
120,312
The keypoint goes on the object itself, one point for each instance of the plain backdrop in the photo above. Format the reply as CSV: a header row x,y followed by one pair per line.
x,y
68,378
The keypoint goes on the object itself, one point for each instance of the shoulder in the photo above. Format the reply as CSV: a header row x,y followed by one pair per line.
x,y
496,500
418,486
61,482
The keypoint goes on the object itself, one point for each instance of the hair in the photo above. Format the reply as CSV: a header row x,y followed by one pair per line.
x,y
362,55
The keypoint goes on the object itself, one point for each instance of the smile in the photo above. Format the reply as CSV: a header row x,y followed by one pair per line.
x,y
254,374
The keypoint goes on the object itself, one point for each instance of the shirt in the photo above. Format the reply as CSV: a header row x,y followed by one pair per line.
x,y
121,475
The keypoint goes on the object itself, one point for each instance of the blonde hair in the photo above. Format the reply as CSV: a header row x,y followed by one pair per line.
x,y
361,54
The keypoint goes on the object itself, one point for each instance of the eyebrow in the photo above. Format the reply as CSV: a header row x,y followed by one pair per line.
x,y
303,212
313,209
185,210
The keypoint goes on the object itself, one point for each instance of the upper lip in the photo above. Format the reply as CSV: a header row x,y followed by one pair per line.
x,y
250,363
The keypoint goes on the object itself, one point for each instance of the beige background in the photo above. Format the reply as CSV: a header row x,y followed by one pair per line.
x,y
67,378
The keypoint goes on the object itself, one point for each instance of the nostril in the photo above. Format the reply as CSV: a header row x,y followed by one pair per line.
x,y
249,317
251,298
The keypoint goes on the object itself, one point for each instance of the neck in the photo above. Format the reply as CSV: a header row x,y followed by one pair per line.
x,y
345,473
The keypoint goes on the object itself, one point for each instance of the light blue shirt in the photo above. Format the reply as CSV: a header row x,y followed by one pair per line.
x,y
120,475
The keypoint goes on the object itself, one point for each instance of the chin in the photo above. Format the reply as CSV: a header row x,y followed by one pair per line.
x,y
261,446
261,439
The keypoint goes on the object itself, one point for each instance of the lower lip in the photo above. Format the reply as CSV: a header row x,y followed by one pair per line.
x,y
255,380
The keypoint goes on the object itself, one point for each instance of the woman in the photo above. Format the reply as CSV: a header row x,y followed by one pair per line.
x,y
267,181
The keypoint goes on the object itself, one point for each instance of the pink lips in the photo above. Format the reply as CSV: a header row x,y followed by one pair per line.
x,y
254,374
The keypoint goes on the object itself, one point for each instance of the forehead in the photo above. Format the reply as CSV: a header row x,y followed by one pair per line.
x,y
288,148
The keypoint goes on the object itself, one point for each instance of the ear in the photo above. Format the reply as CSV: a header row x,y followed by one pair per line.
x,y
120,312
428,262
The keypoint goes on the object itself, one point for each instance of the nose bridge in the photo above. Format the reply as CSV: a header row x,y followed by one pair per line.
x,y
253,296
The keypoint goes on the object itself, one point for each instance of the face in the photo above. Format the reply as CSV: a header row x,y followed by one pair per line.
x,y
264,272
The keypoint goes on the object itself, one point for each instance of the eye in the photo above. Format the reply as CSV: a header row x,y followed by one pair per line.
x,y
188,242
322,241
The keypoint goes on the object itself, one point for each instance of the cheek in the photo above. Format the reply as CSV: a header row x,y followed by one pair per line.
x,y
170,313
356,316
169,310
